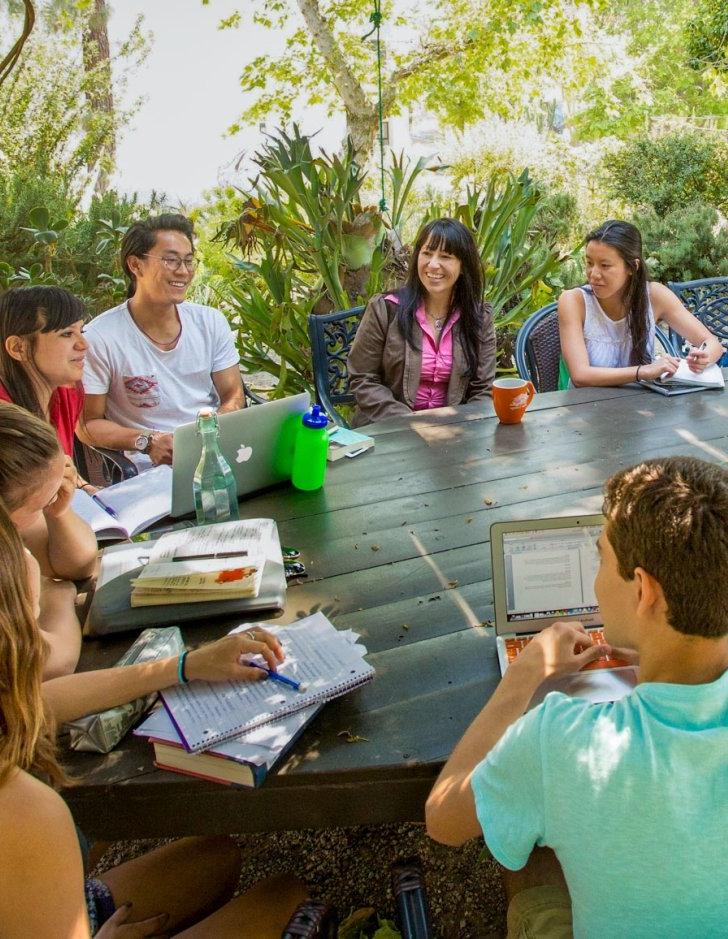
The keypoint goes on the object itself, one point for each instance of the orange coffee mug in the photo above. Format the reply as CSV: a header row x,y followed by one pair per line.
x,y
511,397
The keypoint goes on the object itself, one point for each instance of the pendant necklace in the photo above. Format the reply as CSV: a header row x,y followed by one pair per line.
x,y
158,342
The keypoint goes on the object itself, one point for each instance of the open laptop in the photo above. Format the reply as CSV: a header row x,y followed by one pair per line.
x,y
543,571
256,441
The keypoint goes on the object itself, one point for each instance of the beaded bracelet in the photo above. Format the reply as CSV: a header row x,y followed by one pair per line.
x,y
181,677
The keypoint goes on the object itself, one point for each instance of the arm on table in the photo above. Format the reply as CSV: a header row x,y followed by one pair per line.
x,y
562,648
670,310
228,383
97,431
573,349
72,696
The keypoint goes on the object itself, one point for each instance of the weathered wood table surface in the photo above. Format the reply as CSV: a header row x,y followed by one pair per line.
x,y
396,546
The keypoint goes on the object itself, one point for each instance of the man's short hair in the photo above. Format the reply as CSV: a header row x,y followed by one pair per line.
x,y
141,237
670,517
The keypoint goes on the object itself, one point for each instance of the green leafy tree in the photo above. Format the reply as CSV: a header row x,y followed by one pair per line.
x,y
669,172
46,126
645,81
684,243
460,58
707,36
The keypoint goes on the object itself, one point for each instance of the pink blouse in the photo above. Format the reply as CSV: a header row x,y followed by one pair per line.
x,y
436,361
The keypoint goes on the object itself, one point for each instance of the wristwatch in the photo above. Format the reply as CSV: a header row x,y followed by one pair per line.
x,y
141,444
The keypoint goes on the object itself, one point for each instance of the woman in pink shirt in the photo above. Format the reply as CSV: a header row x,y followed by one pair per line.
x,y
432,342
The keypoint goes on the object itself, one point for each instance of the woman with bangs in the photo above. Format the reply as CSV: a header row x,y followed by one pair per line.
x,y
181,889
42,354
431,343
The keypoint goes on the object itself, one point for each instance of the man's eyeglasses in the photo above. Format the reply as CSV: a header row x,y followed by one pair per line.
x,y
174,264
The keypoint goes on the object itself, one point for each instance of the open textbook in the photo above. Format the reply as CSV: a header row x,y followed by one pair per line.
x,y
325,661
136,504
209,562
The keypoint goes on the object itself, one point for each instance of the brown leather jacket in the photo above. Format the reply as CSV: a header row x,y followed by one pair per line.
x,y
384,371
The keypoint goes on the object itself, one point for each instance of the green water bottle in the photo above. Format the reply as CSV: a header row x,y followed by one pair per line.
x,y
309,456
213,485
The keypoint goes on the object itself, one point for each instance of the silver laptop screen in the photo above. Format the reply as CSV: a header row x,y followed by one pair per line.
x,y
550,572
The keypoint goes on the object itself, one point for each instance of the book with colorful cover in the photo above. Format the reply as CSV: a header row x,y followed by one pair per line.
x,y
243,761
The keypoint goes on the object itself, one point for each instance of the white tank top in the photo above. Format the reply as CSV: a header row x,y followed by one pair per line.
x,y
608,342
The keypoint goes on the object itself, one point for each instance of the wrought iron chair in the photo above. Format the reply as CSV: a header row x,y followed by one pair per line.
x,y
102,467
331,337
708,301
538,348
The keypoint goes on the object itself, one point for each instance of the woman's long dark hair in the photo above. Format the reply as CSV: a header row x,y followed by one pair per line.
x,y
447,234
627,241
27,311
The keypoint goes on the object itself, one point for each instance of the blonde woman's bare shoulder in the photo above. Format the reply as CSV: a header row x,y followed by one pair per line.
x,y
30,809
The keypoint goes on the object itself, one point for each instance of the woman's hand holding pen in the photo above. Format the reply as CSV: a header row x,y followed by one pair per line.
x,y
221,660
698,358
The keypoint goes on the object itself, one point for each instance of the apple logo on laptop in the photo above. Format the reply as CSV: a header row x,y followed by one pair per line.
x,y
244,454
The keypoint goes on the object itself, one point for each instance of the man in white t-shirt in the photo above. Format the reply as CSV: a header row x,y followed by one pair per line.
x,y
155,360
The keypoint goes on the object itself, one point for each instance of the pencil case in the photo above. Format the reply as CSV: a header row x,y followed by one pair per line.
x,y
100,733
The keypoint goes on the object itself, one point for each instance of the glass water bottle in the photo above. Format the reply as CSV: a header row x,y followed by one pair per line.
x,y
213,486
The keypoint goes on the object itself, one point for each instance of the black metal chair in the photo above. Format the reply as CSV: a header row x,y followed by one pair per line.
x,y
707,300
102,467
538,348
331,337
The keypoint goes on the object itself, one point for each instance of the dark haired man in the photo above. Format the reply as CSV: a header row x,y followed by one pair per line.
x,y
616,813
156,359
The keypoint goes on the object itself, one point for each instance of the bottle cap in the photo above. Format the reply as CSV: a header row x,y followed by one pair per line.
x,y
315,418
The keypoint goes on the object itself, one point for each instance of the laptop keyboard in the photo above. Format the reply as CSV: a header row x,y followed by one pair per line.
x,y
517,644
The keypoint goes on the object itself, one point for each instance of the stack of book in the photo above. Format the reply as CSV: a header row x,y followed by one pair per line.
x,y
234,732
210,562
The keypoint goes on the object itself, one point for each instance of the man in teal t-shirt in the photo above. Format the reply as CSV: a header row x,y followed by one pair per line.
x,y
632,796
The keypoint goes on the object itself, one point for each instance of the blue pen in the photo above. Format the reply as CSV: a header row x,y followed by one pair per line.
x,y
277,677
106,508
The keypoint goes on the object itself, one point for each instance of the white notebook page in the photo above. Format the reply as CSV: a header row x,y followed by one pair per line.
x,y
317,655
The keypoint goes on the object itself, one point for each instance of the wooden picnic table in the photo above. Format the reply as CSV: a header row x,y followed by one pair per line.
x,y
397,549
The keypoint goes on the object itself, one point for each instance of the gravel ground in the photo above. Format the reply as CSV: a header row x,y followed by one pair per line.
x,y
349,867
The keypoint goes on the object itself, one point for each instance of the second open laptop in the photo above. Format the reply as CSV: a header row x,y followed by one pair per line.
x,y
257,442
544,571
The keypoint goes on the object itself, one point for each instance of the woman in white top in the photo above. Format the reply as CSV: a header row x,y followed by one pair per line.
x,y
607,327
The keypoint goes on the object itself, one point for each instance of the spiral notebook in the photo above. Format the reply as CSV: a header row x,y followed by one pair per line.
x,y
326,662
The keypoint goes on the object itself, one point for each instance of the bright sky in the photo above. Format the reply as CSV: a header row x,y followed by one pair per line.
x,y
190,82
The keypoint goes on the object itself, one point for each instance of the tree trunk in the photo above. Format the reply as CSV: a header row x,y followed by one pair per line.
x,y
97,66
363,127
361,114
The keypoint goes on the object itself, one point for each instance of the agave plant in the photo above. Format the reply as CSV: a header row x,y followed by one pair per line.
x,y
307,244
520,267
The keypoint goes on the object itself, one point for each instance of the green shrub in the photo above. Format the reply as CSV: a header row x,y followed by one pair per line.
x,y
685,243
668,172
